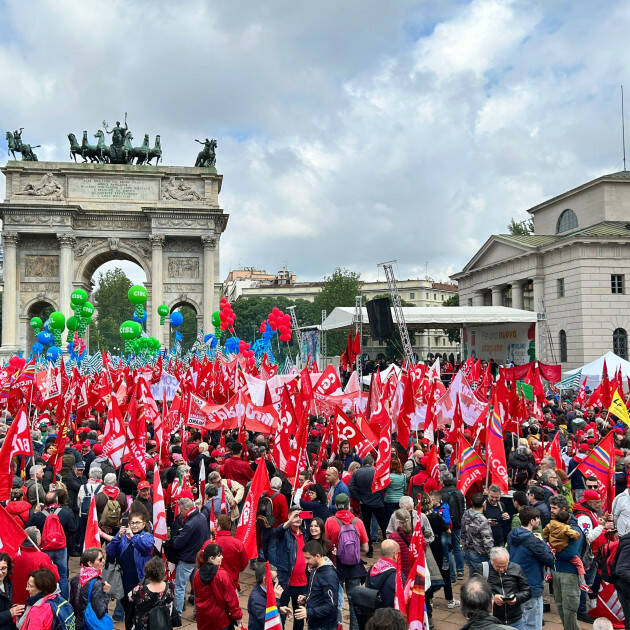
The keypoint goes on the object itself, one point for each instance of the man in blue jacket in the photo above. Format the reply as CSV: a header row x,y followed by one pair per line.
x,y
257,602
533,555
565,578
194,532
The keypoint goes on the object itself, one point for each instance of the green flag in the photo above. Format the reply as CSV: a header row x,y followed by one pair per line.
x,y
525,390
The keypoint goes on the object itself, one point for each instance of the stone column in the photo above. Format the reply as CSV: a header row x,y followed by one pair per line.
x,y
209,244
517,295
478,298
497,296
66,251
157,243
539,294
9,295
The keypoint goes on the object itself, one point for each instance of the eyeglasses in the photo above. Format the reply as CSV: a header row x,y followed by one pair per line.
x,y
136,522
100,559
592,487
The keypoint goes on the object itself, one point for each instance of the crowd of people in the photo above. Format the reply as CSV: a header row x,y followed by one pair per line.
x,y
512,553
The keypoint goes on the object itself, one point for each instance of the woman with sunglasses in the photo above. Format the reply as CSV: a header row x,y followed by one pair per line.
x,y
89,579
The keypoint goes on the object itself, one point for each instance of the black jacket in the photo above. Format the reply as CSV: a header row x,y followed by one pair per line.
x,y
456,504
79,599
385,582
485,622
6,599
622,567
322,597
361,488
73,485
513,581
191,537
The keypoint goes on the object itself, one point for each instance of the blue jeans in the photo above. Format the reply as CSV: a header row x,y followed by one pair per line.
x,y
182,573
532,618
456,557
473,560
60,558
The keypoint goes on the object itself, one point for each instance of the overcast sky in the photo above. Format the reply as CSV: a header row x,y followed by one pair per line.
x,y
349,132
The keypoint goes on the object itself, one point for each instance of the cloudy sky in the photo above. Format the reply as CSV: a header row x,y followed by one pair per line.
x,y
349,132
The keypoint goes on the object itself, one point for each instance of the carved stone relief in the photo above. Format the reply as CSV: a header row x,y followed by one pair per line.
x,y
182,245
183,267
41,266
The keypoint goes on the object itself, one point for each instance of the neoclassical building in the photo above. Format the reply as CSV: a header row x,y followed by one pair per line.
x,y
61,221
572,270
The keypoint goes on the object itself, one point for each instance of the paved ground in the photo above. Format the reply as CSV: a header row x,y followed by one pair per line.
x,y
443,618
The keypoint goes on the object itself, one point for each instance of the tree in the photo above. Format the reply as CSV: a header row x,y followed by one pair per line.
x,y
521,228
188,329
112,309
452,333
340,289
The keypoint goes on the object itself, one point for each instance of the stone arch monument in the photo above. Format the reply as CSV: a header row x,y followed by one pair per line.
x,y
61,221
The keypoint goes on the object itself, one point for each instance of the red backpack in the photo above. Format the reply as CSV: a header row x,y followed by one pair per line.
x,y
53,536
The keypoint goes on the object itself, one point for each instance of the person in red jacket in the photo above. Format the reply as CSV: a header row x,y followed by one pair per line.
x,y
234,555
18,508
235,467
29,560
279,501
215,596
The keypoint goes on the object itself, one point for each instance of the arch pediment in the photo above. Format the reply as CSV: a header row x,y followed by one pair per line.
x,y
495,250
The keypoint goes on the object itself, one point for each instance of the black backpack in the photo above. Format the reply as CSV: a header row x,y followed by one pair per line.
x,y
365,599
264,513
519,476
159,618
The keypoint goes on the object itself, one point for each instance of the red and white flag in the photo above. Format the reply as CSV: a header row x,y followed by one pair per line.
x,y
16,442
114,436
12,534
160,530
92,535
202,478
246,529
381,478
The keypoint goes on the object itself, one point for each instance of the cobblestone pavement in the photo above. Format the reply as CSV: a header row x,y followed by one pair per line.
x,y
443,618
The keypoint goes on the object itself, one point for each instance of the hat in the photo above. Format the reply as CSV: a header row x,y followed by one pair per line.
x,y
152,443
130,468
550,426
186,494
98,449
591,495
217,453
342,499
143,484
177,457
80,465
619,453
619,430
583,447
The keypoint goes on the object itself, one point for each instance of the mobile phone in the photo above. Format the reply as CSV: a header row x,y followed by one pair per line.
x,y
124,521
305,515
509,597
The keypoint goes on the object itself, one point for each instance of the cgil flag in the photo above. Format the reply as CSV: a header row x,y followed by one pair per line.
x,y
246,530
92,535
272,616
12,534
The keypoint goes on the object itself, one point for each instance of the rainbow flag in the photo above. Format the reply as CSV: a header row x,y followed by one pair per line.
x,y
272,616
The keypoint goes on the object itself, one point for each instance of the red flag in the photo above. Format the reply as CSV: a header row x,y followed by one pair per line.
x,y
553,450
415,587
470,467
160,531
433,463
272,616
456,426
407,409
92,536
202,478
495,449
606,389
212,521
600,463
246,530
114,439
137,434
12,534
399,595
381,479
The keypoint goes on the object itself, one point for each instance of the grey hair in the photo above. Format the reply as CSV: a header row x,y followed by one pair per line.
x,y
494,488
549,461
368,460
34,470
276,483
213,476
33,533
546,473
447,478
110,479
203,447
405,502
497,552
261,571
186,504
602,623
96,472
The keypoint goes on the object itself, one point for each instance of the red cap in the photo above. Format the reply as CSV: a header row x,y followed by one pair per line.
x,y
186,494
217,453
619,430
130,468
591,495
591,440
583,447
98,449
152,443
550,426
619,452
143,484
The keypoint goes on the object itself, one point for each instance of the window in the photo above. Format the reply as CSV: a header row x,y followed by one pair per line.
x,y
617,281
412,296
470,301
437,341
560,285
563,346
567,221
435,296
620,343
443,341
426,296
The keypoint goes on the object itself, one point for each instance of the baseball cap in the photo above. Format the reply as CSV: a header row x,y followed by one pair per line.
x,y
217,453
591,495
341,499
80,465
186,494
143,484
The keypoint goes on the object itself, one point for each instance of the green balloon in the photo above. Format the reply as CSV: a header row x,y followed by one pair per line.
x,y
162,310
216,319
137,294
36,322
87,309
130,330
155,343
72,323
57,320
79,297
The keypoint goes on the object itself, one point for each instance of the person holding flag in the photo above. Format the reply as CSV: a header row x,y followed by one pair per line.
x,y
262,606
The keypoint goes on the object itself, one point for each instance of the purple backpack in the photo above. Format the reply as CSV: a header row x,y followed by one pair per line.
x,y
348,545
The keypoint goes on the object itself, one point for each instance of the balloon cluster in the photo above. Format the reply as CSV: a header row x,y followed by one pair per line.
x,y
281,322
162,311
83,311
211,339
48,335
138,295
227,317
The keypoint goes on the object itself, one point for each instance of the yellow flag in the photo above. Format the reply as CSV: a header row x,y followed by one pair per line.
x,y
619,409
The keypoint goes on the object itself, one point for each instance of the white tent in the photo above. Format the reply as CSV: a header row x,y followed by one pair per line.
x,y
384,374
593,371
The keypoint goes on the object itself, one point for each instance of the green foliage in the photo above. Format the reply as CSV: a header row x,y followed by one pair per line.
x,y
340,289
188,328
521,228
113,308
452,333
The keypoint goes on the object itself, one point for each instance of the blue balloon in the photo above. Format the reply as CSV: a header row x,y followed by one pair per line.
x,y
207,337
178,336
177,319
45,338
53,353
213,342
231,345
37,348
140,320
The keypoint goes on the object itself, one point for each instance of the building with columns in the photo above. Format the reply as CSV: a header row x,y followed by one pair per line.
x,y
61,221
571,270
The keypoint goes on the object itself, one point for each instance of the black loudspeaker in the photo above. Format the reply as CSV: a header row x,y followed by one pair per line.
x,y
380,318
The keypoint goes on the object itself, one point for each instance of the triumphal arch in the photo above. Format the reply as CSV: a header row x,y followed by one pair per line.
x,y
62,220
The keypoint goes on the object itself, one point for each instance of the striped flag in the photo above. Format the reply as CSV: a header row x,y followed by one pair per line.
x,y
600,463
470,466
571,381
272,616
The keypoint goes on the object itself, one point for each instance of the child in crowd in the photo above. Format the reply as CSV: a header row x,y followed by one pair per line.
x,y
558,534
442,508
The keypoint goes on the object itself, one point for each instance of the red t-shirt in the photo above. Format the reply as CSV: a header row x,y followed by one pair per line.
x,y
298,575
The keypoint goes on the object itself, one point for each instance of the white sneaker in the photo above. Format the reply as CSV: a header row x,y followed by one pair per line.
x,y
454,603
